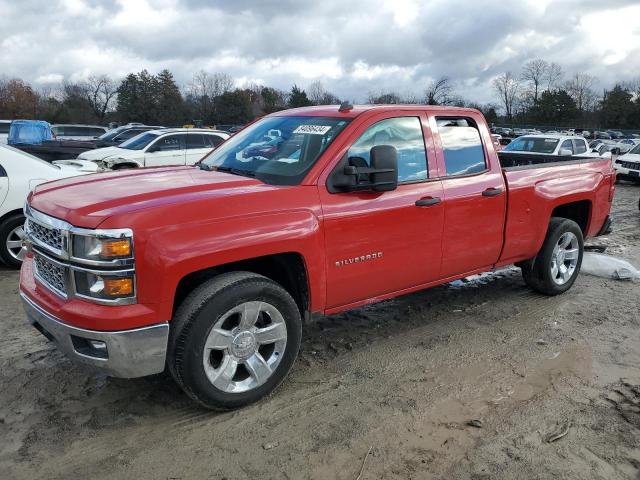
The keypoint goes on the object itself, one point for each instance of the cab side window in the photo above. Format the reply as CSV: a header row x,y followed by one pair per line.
x,y
567,145
403,133
461,145
580,146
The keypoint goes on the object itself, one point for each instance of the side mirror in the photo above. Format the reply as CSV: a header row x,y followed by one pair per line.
x,y
565,152
153,148
353,174
384,165
615,151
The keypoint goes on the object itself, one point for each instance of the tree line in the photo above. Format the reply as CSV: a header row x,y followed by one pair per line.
x,y
210,98
542,94
539,94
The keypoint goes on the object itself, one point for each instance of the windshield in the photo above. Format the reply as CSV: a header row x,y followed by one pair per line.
x,y
139,141
635,150
533,145
277,150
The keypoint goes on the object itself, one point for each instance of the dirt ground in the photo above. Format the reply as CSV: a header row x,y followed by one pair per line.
x,y
386,391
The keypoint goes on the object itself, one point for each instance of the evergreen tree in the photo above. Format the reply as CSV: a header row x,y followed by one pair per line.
x,y
298,98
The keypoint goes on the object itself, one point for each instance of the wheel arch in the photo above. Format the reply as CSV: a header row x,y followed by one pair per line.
x,y
288,269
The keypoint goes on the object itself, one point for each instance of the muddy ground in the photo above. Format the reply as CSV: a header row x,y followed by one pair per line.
x,y
387,390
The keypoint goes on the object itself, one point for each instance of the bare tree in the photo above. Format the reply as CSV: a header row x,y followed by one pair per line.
x,y
205,87
319,96
439,92
580,88
507,87
553,76
534,72
101,92
383,98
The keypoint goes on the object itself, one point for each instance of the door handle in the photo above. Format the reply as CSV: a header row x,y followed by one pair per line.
x,y
428,201
492,192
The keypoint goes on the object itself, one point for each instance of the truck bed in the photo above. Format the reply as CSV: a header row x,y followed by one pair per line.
x,y
536,183
510,160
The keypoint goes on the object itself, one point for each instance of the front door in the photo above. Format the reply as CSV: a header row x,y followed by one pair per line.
x,y
167,150
383,242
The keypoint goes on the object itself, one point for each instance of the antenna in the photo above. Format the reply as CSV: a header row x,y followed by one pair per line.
x,y
345,106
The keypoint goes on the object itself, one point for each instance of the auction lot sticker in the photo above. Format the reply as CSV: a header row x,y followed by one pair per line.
x,y
312,129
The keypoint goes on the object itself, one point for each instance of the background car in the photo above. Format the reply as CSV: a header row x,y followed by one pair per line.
x,y
4,130
156,148
78,132
122,134
628,165
20,172
550,145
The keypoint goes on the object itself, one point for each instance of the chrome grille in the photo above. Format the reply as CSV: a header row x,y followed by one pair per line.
x,y
49,273
629,165
52,237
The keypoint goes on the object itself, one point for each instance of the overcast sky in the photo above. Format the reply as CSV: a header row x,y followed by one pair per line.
x,y
353,47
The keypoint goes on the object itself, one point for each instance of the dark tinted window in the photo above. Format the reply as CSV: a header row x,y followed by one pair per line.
x,y
4,127
195,140
567,145
403,133
581,146
126,135
462,146
213,140
169,143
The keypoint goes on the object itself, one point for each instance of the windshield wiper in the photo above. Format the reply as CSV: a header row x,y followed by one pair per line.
x,y
236,171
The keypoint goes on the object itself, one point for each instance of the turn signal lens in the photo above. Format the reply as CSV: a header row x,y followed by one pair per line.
x,y
118,287
115,248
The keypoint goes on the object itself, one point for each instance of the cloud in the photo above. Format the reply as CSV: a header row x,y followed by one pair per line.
x,y
353,47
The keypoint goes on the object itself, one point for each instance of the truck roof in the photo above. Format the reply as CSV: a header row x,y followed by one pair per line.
x,y
334,110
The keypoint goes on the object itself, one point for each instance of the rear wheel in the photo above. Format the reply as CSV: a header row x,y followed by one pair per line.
x,y
11,236
556,267
234,339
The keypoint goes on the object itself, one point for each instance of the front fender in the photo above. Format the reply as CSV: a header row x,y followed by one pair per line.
x,y
173,253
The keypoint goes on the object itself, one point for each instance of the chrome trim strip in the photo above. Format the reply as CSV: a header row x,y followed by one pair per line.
x,y
130,353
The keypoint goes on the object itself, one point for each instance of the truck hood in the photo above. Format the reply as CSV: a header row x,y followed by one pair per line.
x,y
102,153
86,201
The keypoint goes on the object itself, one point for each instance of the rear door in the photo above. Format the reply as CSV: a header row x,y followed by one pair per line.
x,y
198,145
474,194
167,150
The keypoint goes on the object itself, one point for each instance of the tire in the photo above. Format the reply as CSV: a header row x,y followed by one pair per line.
x,y
540,274
9,235
123,166
224,302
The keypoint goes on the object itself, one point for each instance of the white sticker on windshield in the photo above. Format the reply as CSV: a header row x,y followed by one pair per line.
x,y
312,129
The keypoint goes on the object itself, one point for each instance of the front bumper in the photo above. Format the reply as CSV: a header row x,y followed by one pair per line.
x,y
126,354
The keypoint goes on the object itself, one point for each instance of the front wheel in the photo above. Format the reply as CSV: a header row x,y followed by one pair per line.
x,y
11,237
556,267
234,339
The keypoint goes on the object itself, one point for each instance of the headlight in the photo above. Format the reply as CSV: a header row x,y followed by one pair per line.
x,y
103,246
105,285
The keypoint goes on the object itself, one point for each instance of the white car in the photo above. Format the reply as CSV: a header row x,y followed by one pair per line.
x,y
4,131
19,174
628,165
78,132
156,148
550,145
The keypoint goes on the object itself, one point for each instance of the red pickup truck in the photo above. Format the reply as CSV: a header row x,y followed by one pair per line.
x,y
209,270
